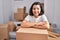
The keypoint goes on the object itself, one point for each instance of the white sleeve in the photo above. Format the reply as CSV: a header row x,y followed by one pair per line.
x,y
44,18
27,18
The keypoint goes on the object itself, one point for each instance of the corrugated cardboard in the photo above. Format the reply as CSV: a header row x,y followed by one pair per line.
x,y
20,16
50,38
11,26
4,32
31,34
20,10
51,28
25,15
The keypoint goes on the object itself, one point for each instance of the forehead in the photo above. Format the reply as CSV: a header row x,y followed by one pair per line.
x,y
34,6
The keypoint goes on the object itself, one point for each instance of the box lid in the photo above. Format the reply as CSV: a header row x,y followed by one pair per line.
x,y
32,30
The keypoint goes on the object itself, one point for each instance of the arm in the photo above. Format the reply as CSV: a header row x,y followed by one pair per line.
x,y
42,25
27,24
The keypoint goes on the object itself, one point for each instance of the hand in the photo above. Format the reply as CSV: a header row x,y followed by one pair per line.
x,y
18,27
36,26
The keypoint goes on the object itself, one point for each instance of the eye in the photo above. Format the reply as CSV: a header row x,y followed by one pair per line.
x,y
37,8
34,8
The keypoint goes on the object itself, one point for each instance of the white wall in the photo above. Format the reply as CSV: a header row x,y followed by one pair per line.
x,y
52,11
1,12
5,11
57,13
49,6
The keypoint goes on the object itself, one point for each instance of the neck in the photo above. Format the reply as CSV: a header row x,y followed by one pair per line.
x,y
36,16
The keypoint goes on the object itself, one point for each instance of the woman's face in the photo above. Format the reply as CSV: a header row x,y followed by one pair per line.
x,y
36,10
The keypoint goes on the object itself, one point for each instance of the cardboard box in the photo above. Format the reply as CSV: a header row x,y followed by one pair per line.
x,y
20,16
20,10
4,32
25,15
50,38
31,34
11,26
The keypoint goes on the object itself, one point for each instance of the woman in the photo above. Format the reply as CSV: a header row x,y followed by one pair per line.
x,y
36,17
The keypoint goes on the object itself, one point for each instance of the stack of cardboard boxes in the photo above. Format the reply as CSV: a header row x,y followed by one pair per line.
x,y
20,15
4,32
11,26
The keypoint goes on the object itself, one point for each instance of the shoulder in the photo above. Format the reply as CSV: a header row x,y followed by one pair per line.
x,y
28,16
43,15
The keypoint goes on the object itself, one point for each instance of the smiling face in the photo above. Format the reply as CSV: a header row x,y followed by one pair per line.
x,y
36,10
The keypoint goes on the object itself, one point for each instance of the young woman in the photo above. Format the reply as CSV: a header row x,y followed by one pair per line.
x,y
36,17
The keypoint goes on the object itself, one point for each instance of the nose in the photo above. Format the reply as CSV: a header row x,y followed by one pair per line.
x,y
36,10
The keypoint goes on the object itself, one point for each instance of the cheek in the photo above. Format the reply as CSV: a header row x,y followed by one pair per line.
x,y
36,11
39,11
33,11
